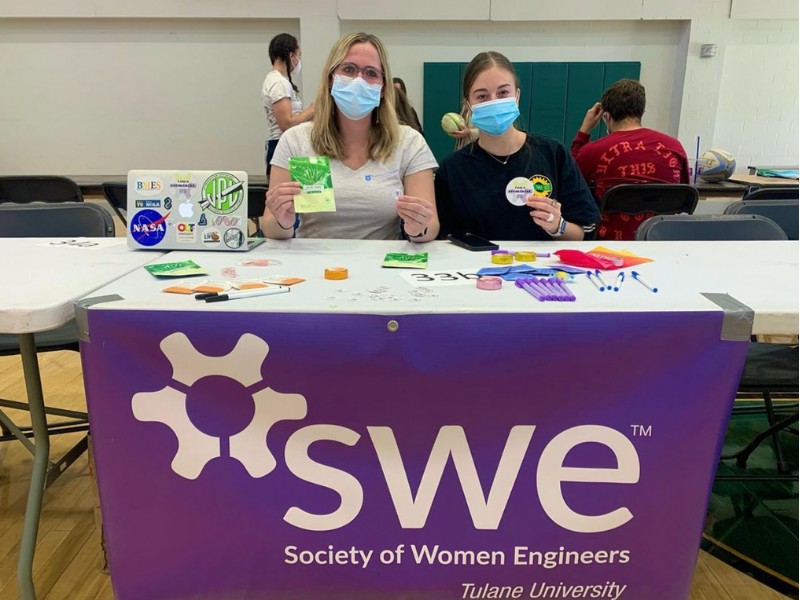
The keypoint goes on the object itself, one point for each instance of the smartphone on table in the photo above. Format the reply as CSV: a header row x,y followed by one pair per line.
x,y
472,242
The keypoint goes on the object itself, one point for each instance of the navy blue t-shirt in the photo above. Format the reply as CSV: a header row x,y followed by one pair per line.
x,y
471,191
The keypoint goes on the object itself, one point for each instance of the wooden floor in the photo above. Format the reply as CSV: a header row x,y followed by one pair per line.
x,y
68,556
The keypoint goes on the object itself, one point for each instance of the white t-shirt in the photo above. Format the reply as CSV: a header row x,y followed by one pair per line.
x,y
277,87
365,201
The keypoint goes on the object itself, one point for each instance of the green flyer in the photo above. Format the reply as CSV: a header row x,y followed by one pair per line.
x,y
313,173
176,269
406,261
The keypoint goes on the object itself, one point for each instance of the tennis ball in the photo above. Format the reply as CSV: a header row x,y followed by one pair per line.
x,y
452,122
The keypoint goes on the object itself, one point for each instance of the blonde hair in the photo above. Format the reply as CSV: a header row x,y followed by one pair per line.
x,y
326,140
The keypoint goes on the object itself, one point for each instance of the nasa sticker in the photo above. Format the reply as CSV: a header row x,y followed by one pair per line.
x,y
148,227
518,190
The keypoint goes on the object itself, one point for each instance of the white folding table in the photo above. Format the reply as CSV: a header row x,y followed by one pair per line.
x,y
43,277
372,354
761,275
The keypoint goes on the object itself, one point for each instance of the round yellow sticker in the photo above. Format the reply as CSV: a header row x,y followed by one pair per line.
x,y
542,186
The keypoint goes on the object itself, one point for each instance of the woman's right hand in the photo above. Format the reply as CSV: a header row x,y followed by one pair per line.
x,y
280,202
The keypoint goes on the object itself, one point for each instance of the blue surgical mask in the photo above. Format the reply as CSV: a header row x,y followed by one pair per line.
x,y
355,97
495,116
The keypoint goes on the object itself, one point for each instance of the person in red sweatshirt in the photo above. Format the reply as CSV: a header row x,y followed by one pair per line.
x,y
629,153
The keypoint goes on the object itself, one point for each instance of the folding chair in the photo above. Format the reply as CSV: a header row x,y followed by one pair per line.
x,y
256,196
50,220
117,196
55,220
786,213
773,193
688,228
769,368
29,188
639,201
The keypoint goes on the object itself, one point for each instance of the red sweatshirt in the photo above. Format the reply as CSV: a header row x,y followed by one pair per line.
x,y
634,156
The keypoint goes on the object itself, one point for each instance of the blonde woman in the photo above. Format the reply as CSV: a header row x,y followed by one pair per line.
x,y
382,172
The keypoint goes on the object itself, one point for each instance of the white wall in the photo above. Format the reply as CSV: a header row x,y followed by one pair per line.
x,y
102,86
757,118
94,96
656,44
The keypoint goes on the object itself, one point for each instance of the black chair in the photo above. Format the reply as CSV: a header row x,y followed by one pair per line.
x,y
687,228
774,193
785,213
769,368
117,196
658,198
256,195
23,189
55,220
50,220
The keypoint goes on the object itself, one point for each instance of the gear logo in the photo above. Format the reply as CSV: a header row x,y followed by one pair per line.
x,y
243,365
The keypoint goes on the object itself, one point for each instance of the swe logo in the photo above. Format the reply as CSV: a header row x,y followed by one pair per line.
x,y
242,366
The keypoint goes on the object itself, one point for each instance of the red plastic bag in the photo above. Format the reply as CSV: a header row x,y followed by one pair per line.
x,y
576,258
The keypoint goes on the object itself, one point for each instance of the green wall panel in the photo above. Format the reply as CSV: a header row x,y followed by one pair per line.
x,y
548,99
440,95
524,73
584,88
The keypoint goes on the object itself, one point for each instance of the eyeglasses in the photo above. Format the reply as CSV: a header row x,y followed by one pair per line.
x,y
371,74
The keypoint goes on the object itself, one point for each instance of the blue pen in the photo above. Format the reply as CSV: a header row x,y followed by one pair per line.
x,y
638,278
618,282
602,281
593,279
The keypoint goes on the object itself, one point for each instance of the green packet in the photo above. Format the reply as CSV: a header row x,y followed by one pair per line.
x,y
406,261
313,173
176,269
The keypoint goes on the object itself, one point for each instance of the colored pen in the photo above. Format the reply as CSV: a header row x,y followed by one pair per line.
x,y
541,284
520,283
568,292
551,284
593,279
638,278
206,295
249,294
602,281
618,282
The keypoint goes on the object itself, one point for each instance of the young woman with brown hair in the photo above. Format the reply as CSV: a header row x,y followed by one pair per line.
x,y
509,185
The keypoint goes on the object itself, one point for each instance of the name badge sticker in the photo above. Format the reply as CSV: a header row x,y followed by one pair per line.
x,y
518,190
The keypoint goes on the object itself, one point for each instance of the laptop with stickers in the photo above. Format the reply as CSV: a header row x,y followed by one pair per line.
x,y
188,210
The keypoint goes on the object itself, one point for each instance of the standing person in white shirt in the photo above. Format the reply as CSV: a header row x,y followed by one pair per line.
x,y
279,93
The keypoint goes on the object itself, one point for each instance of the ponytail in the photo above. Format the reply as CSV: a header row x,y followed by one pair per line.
x,y
282,46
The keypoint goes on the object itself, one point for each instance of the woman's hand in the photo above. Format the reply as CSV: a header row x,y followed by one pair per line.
x,y
417,214
280,202
463,133
546,212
